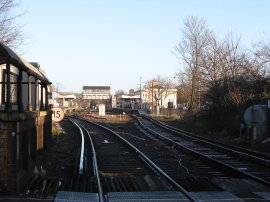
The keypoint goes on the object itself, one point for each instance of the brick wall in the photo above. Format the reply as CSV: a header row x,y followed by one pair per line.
x,y
21,136
7,156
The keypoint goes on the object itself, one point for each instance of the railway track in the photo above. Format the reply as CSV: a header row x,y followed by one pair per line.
x,y
107,159
170,160
124,168
261,158
202,169
69,166
234,161
87,168
118,167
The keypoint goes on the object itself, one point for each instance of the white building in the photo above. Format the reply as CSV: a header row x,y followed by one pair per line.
x,y
148,99
153,97
97,95
66,101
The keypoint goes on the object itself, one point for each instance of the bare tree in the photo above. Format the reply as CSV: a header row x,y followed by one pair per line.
x,y
119,92
183,89
117,95
196,39
262,53
212,61
10,30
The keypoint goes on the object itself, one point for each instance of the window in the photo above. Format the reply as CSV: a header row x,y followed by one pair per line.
x,y
13,88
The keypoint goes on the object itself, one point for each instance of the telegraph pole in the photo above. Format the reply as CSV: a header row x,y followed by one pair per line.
x,y
152,97
140,92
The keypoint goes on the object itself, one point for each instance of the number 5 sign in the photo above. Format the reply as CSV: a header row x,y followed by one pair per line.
x,y
58,114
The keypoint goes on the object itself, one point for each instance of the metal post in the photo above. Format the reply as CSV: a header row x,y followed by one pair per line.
x,y
199,95
42,97
46,97
37,95
157,99
57,94
29,106
140,92
19,92
152,97
8,107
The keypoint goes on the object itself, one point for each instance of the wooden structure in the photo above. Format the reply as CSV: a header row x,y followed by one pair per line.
x,y
25,119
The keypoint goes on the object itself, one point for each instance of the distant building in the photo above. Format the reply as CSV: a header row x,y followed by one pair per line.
x,y
128,101
153,97
66,101
96,95
148,99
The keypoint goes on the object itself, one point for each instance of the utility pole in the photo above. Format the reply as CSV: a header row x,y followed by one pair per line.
x,y
140,92
199,96
57,94
152,97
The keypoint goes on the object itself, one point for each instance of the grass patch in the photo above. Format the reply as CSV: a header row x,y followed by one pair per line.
x,y
55,130
167,118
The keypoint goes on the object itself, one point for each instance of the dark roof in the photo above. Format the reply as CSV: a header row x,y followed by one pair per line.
x,y
96,87
9,56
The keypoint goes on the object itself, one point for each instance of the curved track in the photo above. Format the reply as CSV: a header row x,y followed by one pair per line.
x,y
123,167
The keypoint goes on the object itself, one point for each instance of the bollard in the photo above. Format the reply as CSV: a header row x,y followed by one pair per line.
x,y
254,133
240,131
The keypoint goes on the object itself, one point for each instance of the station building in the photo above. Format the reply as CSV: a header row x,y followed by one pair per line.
x,y
153,97
148,98
128,101
64,101
25,118
96,95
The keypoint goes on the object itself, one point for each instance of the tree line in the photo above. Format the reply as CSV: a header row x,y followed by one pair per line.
x,y
219,75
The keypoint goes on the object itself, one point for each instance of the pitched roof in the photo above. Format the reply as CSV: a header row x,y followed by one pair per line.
x,y
9,56
96,87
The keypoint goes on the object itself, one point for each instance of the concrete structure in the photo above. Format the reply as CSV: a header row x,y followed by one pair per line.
x,y
66,101
96,95
25,118
128,101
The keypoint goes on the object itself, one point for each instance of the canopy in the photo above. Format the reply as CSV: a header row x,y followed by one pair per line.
x,y
7,55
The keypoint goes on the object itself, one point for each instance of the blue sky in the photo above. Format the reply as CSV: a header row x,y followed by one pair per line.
x,y
115,42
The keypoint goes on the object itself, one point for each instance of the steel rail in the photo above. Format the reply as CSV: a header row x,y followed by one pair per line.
x,y
95,165
220,164
218,145
81,165
149,162
94,158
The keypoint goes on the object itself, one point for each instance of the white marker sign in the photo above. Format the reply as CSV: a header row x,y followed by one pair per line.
x,y
58,114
